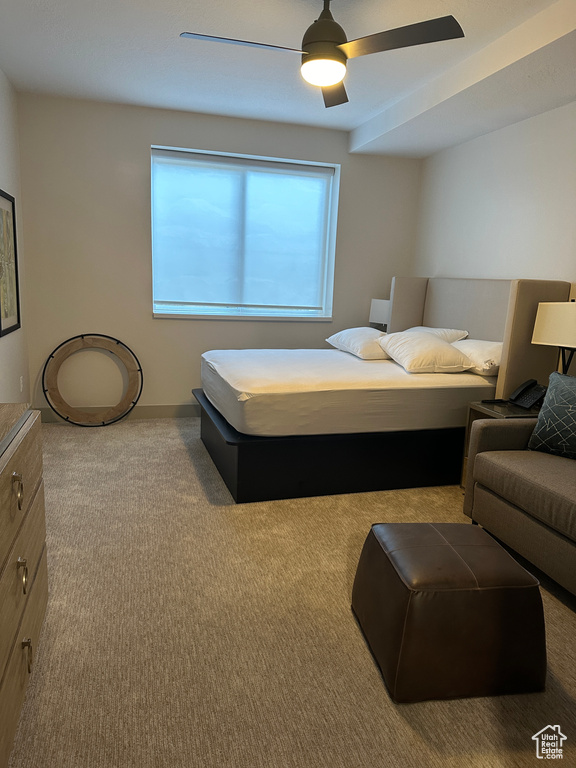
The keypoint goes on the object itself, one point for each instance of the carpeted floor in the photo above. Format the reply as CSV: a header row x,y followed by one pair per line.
x,y
184,631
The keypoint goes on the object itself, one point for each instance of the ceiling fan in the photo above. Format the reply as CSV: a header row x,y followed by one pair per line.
x,y
325,49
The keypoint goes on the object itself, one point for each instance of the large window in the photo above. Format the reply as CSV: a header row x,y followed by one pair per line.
x,y
237,236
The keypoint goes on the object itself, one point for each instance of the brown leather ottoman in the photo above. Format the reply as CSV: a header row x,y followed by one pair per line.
x,y
448,613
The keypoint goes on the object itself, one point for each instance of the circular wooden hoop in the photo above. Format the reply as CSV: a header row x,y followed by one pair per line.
x,y
108,414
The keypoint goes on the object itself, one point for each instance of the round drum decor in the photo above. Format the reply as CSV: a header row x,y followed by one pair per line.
x,y
108,414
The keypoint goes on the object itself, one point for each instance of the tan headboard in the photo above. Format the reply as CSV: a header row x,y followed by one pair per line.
x,y
407,299
477,306
495,310
522,360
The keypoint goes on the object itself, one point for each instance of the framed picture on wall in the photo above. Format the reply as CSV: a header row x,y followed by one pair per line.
x,y
9,295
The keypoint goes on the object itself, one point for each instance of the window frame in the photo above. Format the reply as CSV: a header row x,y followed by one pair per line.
x,y
330,170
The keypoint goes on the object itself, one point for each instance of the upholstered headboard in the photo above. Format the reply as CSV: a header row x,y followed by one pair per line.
x,y
495,310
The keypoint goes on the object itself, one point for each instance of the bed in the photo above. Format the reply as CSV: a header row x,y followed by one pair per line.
x,y
295,423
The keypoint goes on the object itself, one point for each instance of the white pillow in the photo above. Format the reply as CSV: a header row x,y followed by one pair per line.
x,y
362,342
485,356
422,352
448,334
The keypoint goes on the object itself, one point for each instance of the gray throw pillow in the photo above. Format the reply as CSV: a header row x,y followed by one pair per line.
x,y
555,430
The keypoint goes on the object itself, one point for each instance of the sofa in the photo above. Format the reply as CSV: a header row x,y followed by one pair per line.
x,y
524,494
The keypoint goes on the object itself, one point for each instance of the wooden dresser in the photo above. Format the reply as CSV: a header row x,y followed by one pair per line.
x,y
23,573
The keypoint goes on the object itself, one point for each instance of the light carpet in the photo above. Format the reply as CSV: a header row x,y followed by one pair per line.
x,y
186,631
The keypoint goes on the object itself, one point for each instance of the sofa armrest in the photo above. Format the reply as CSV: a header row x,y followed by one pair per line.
x,y
494,435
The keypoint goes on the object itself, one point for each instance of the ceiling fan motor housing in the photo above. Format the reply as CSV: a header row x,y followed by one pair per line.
x,y
322,38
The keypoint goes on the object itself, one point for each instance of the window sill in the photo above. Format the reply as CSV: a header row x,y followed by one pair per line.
x,y
257,318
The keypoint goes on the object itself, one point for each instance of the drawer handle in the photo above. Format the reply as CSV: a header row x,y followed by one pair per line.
x,y
23,563
27,643
17,479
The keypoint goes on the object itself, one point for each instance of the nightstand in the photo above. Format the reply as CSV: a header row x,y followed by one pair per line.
x,y
480,410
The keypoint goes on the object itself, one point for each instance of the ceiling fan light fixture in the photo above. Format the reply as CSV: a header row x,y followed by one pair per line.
x,y
323,71
323,63
325,48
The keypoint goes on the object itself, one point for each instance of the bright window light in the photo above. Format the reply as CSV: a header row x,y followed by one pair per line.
x,y
240,236
323,71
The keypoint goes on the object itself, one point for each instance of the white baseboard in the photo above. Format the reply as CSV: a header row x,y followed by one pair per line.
x,y
138,412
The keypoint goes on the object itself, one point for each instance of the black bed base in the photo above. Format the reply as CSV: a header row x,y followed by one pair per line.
x,y
266,468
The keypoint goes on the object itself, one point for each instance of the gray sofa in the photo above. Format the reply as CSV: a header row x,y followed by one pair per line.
x,y
525,498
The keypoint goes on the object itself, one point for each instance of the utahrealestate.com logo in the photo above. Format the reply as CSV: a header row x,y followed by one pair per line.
x,y
549,743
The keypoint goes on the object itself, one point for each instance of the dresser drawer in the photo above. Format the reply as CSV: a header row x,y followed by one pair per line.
x,y
20,473
18,576
21,662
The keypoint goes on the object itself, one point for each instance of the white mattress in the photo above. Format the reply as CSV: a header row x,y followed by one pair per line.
x,y
276,392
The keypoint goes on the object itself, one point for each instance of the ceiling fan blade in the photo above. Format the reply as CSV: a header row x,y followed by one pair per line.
x,y
231,41
334,95
431,31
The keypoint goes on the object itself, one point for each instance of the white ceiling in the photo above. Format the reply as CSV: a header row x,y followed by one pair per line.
x,y
517,59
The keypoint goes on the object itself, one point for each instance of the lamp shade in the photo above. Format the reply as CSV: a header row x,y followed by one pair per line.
x,y
555,324
380,311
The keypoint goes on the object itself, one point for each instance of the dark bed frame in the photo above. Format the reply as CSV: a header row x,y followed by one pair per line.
x,y
267,468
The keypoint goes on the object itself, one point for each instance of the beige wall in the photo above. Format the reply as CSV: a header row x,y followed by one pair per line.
x,y
503,205
86,188
13,354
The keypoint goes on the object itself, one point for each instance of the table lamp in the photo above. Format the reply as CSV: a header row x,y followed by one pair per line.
x,y
379,311
555,326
